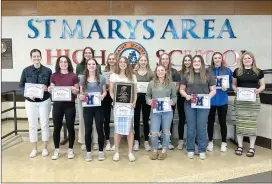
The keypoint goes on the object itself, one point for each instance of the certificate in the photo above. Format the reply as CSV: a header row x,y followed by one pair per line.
x,y
142,87
222,81
107,76
122,110
201,101
246,94
62,93
33,90
161,105
92,99
123,92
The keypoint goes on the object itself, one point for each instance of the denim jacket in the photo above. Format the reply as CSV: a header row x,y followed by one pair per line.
x,y
36,76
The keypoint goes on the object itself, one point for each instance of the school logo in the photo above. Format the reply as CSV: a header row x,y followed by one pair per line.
x,y
132,50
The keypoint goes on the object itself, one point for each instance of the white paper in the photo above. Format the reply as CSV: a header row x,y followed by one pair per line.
x,y
142,87
166,107
33,90
224,81
92,100
246,94
61,93
201,101
123,110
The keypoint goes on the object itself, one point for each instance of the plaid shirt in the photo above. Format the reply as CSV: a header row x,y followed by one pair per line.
x,y
123,123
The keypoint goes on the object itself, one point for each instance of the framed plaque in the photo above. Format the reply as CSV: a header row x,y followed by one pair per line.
x,y
142,87
62,93
6,53
222,81
201,101
161,105
246,94
33,90
122,110
123,92
92,99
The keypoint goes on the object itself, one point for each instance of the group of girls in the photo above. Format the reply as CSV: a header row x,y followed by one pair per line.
x,y
165,82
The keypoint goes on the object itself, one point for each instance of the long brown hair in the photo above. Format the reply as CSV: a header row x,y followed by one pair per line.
x,y
86,74
241,68
167,79
203,72
107,67
149,71
128,70
84,61
183,69
169,67
223,68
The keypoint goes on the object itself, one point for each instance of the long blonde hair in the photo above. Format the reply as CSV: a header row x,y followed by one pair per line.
x,y
167,80
107,67
86,74
203,72
241,68
169,68
128,70
149,71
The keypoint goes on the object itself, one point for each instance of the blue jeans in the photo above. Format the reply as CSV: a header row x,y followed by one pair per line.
x,y
164,120
196,124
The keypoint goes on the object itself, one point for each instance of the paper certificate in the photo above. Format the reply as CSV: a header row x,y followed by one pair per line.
x,y
201,101
142,87
246,94
33,90
62,93
92,99
222,81
161,105
123,110
107,76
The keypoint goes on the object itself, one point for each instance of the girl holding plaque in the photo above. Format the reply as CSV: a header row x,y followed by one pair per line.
x,y
124,95
107,102
165,60
186,64
144,75
64,102
92,92
219,102
249,80
34,82
197,87
87,54
161,95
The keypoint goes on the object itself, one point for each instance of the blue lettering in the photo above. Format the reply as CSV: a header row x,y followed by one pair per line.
x,y
33,28
149,29
172,30
199,101
47,26
97,28
226,28
66,28
207,28
219,82
132,28
160,105
190,30
90,99
116,30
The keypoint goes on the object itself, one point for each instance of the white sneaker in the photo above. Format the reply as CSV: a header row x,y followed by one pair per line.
x,y
83,147
45,153
95,146
180,145
170,146
191,155
70,154
131,157
101,156
147,146
113,148
88,156
136,146
56,154
210,146
108,147
224,147
202,156
116,156
33,154
159,146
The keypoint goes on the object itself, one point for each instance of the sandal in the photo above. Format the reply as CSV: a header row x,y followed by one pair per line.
x,y
251,152
239,151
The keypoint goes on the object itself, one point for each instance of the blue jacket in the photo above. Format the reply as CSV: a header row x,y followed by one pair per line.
x,y
221,97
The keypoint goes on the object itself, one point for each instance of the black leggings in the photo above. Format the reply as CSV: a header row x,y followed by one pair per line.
x,y
59,110
181,114
106,105
222,114
141,104
89,113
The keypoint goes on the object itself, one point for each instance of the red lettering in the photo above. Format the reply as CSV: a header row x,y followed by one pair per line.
x,y
49,56
205,55
74,58
102,57
236,60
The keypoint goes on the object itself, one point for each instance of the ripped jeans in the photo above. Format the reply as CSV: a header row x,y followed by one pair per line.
x,y
164,120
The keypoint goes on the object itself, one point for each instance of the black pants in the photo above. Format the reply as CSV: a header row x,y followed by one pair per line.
x,y
141,104
222,114
59,110
106,105
88,114
181,114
